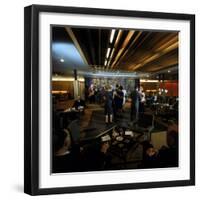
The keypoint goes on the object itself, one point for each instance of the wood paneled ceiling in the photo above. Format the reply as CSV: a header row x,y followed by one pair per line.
x,y
130,50
127,50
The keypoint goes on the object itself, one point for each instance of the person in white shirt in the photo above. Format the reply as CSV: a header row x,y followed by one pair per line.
x,y
142,99
124,99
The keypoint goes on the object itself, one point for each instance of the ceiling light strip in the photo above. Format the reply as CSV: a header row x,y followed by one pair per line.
x,y
112,35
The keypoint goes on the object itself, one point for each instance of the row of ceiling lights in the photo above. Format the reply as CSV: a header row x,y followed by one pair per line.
x,y
108,50
112,34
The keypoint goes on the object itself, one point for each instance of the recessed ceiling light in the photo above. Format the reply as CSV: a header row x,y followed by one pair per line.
x,y
62,60
168,71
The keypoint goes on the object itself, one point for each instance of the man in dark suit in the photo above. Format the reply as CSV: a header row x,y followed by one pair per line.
x,y
135,100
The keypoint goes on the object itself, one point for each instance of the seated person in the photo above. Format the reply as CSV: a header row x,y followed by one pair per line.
x,y
79,104
168,156
65,157
150,156
96,155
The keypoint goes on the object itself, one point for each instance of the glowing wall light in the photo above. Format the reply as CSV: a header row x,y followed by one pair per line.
x,y
55,78
148,81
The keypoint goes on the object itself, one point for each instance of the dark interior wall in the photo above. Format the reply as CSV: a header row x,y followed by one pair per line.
x,y
63,86
68,86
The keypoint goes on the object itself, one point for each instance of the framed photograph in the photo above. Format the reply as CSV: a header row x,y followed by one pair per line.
x,y
109,99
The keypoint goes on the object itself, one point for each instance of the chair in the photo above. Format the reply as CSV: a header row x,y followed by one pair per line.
x,y
74,128
145,125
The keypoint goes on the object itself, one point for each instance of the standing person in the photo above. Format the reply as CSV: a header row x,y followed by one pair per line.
x,y
120,98
124,98
108,98
98,94
115,98
95,94
142,100
91,94
135,99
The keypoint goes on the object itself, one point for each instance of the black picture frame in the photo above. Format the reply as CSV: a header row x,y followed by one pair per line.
x,y
31,98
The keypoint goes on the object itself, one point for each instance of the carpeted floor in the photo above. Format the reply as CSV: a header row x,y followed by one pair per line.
x,y
124,155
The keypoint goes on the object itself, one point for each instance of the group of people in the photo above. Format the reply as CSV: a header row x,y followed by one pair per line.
x,y
69,156
137,102
113,102
115,98
95,93
166,156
